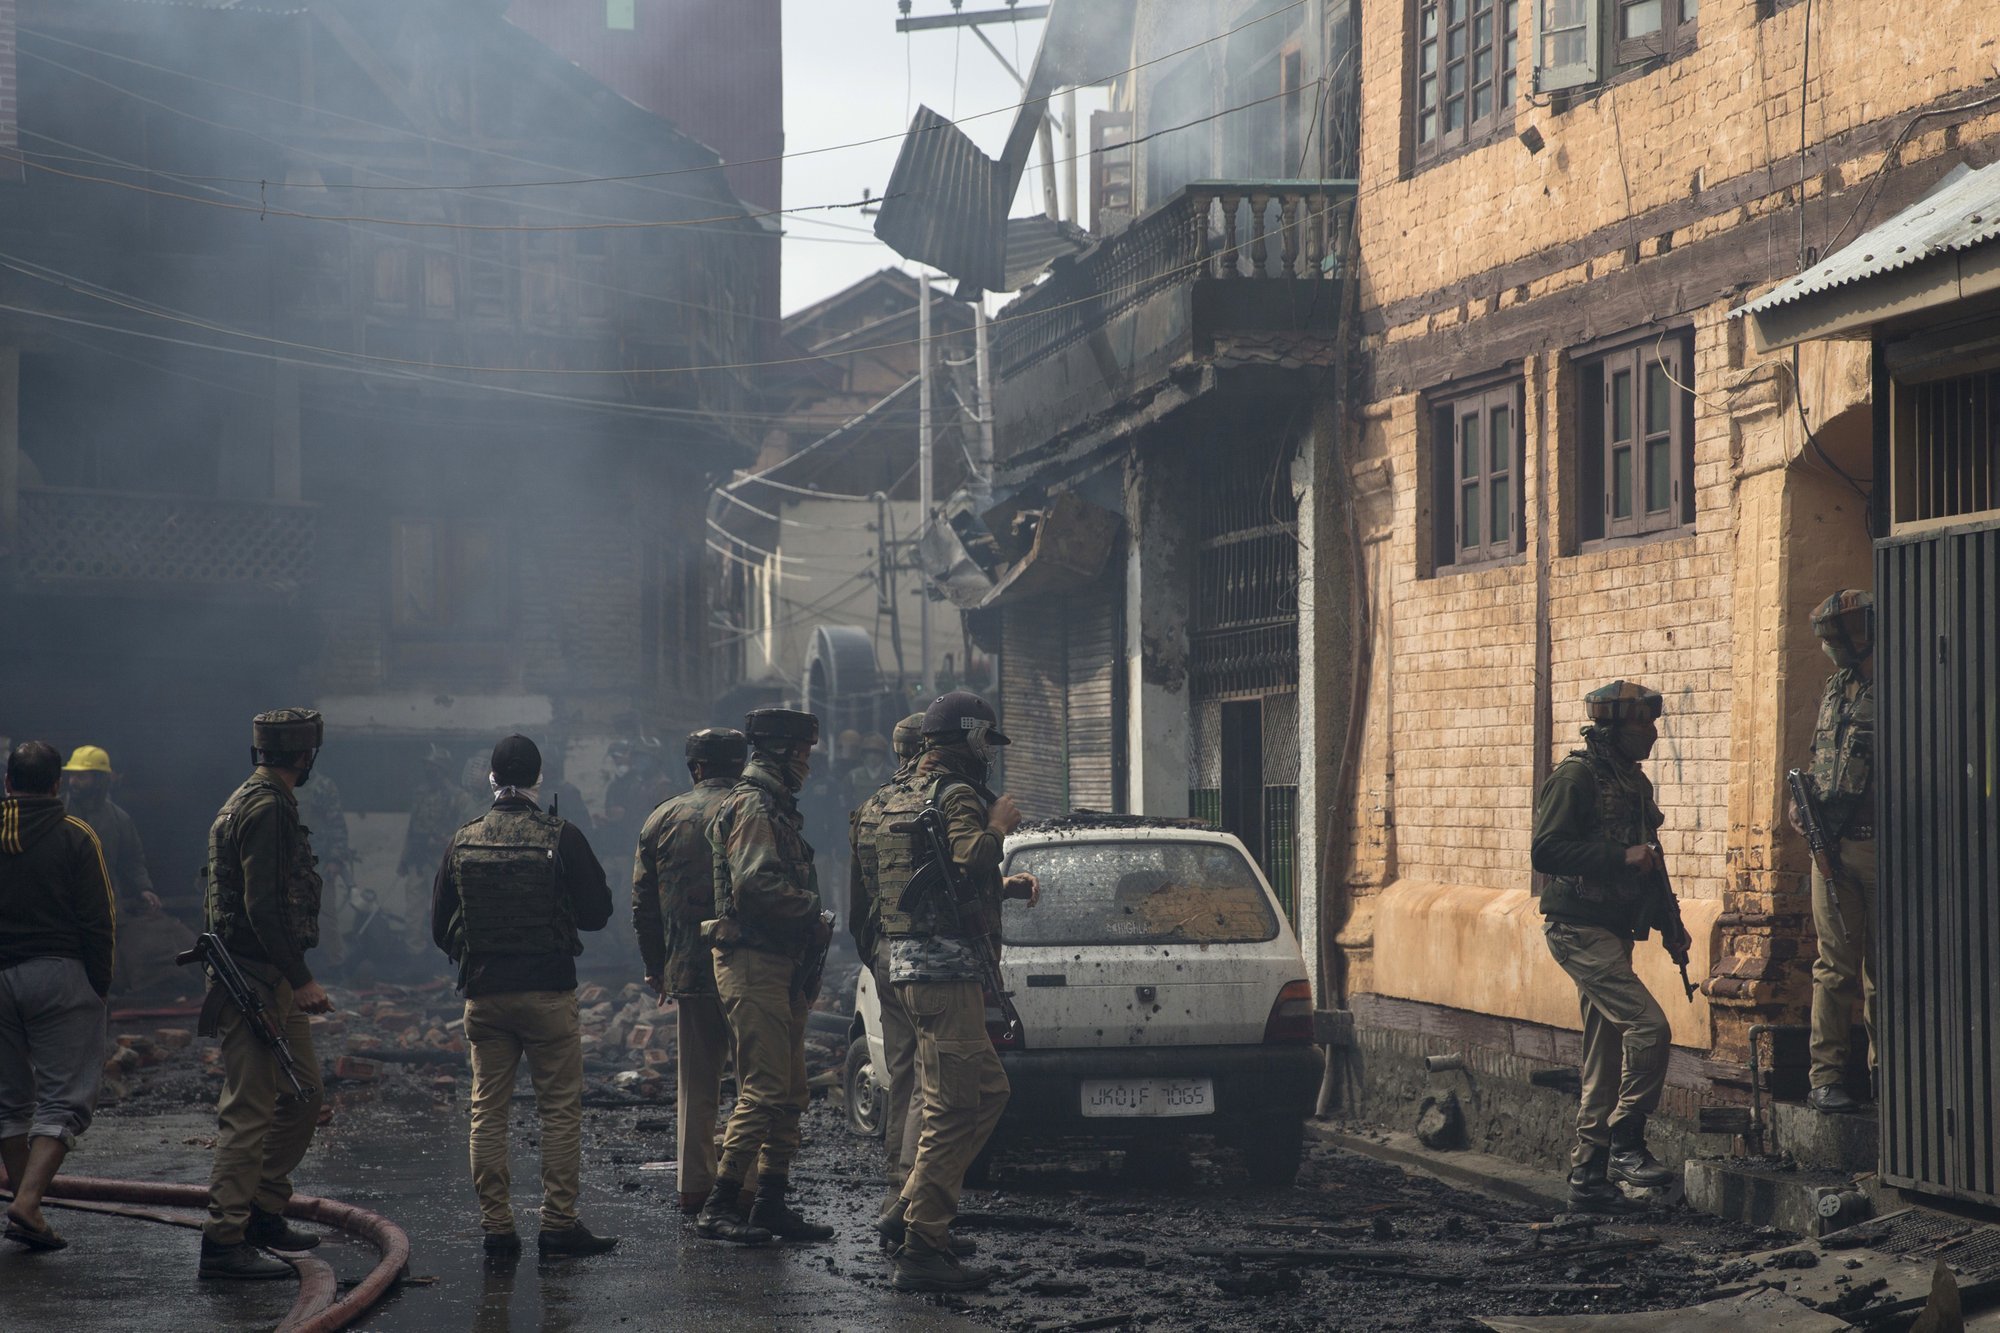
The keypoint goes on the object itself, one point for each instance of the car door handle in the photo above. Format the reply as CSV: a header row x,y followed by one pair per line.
x,y
1047,979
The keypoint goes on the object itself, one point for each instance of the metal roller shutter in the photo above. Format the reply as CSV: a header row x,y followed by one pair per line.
x,y
1032,699
1095,727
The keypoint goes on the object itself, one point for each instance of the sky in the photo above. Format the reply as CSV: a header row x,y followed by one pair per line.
x,y
849,75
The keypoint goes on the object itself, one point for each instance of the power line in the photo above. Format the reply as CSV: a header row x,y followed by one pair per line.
x,y
632,177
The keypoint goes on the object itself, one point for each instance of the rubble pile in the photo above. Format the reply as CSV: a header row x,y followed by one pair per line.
x,y
415,1034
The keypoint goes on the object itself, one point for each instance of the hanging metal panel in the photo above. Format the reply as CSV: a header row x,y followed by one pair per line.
x,y
1938,905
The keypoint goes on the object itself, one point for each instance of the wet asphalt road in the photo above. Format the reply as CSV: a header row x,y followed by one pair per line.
x,y
1083,1234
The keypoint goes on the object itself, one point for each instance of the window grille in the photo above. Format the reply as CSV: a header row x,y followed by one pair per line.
x,y
1945,449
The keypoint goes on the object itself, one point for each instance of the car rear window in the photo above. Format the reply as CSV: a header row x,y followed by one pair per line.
x,y
1139,892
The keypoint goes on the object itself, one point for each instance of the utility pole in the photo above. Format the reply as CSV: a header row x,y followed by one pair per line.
x,y
925,482
1069,155
982,484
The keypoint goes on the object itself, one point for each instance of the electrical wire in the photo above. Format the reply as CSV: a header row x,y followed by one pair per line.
x,y
1024,103
726,494
437,224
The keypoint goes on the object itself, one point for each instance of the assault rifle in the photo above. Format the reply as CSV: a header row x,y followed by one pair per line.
x,y
939,878
1812,820
1670,920
813,970
210,951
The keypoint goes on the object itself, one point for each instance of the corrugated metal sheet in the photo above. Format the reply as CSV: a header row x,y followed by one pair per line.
x,y
1938,814
1095,722
1032,704
947,201
1963,211
946,204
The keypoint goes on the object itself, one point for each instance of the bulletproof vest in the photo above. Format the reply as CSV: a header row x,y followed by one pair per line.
x,y
898,857
1843,752
1627,902
509,878
223,904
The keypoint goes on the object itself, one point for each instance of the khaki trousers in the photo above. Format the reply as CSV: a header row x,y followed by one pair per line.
x,y
1843,972
701,1042
500,1029
963,1090
899,1058
262,1127
1626,1039
767,1023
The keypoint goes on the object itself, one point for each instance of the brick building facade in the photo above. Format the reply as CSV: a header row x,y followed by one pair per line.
x,y
1565,465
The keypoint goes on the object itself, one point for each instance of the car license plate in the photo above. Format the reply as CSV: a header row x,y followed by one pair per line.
x,y
1107,1097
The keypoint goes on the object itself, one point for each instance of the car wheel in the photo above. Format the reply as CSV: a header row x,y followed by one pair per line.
x,y
1272,1152
857,1085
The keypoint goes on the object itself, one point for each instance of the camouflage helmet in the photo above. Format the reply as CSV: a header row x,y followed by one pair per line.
x,y
770,728
1622,700
908,738
717,745
1827,616
287,730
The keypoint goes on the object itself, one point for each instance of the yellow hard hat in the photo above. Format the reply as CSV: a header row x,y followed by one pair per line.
x,y
88,759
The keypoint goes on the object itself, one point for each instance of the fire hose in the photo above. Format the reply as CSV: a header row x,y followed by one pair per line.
x,y
316,1310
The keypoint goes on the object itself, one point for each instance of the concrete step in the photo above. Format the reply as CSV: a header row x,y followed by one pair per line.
x,y
1773,1192
1850,1143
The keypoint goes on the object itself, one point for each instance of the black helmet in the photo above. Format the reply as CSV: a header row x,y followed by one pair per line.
x,y
717,745
286,730
960,714
769,728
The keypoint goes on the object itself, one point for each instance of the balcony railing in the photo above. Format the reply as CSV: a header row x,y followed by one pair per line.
x,y
1222,231
83,540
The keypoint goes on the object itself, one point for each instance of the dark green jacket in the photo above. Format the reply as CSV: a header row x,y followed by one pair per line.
x,y
1594,806
673,889
765,879
263,884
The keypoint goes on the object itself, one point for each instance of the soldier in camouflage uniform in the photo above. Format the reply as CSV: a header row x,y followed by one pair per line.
x,y
673,892
1595,828
261,896
1843,778
767,929
936,973
864,922
513,891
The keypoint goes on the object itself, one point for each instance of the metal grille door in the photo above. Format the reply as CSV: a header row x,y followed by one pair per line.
x,y
1938,907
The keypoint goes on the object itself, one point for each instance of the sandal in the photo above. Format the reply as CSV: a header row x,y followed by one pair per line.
x,y
43,1237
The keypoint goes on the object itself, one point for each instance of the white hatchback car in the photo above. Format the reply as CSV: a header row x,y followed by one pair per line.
x,y
1160,991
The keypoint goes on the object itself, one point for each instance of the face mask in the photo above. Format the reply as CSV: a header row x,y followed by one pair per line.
x,y
975,741
305,770
1634,745
797,766
1842,652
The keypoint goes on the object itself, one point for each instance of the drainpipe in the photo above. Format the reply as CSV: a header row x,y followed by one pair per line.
x,y
925,481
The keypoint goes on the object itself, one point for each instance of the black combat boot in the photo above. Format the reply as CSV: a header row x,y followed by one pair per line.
x,y
1589,1189
921,1268
1834,1100
241,1262
575,1242
892,1228
774,1215
272,1232
718,1219
1631,1164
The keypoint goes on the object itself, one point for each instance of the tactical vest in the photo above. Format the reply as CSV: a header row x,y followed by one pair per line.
x,y
898,857
1626,903
509,877
223,904
1843,752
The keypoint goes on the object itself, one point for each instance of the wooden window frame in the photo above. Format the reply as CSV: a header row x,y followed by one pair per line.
x,y
1676,32
1113,167
1432,66
1485,481
1650,421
